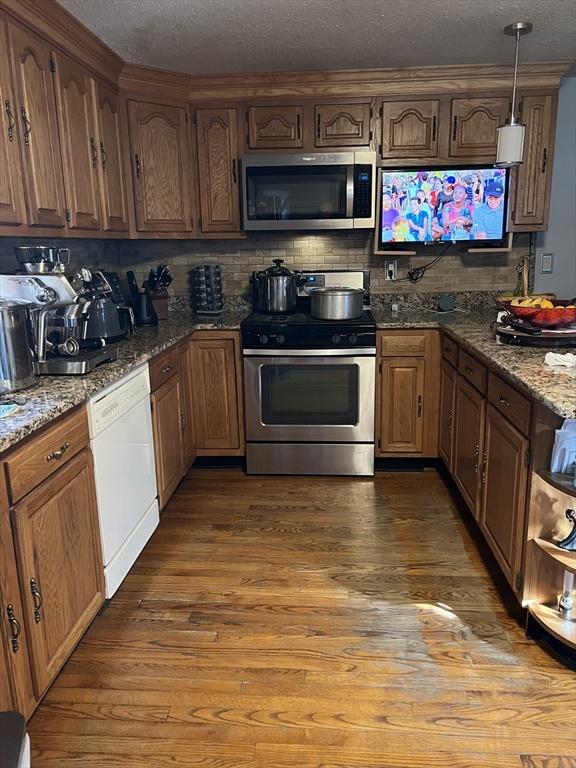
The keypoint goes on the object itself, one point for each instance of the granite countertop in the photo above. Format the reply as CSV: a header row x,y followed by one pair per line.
x,y
54,395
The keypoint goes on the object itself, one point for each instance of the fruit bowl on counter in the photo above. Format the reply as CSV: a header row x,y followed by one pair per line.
x,y
542,311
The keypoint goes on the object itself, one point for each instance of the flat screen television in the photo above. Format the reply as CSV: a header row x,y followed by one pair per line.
x,y
454,204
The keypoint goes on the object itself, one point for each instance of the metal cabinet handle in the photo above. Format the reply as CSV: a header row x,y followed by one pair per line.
x,y
37,597
94,151
27,127
484,463
138,166
476,458
167,368
502,399
104,156
234,174
450,422
182,421
59,453
298,127
14,627
434,128
419,406
318,125
11,120
544,159
455,128
468,370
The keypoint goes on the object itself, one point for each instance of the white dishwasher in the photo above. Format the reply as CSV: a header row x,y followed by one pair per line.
x,y
123,449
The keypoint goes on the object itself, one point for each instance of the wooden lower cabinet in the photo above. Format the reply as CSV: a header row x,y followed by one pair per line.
x,y
217,393
470,415
504,479
59,565
402,397
5,691
447,407
189,433
167,425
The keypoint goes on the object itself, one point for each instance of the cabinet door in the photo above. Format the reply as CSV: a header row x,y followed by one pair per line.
x,y
474,124
447,403
189,437
112,187
410,128
59,564
469,442
275,127
504,477
402,405
533,177
36,109
160,167
12,209
342,125
80,155
217,135
167,420
216,413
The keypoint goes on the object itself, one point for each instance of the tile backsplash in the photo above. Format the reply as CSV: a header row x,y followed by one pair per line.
x,y
457,271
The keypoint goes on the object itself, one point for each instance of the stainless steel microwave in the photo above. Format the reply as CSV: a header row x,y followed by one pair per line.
x,y
317,190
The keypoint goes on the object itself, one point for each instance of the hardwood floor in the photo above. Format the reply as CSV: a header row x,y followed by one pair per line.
x,y
307,623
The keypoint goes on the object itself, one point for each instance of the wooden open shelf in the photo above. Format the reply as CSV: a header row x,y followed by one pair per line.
x,y
562,627
561,557
563,483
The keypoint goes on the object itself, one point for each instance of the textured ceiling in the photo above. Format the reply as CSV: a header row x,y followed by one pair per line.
x,y
210,36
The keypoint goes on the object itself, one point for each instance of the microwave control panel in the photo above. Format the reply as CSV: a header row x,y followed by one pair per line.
x,y
363,191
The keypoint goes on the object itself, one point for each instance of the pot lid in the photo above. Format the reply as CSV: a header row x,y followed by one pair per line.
x,y
277,270
337,291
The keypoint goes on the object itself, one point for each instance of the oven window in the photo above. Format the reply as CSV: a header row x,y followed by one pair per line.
x,y
310,394
296,192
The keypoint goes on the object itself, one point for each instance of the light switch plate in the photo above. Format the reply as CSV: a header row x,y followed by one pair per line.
x,y
546,263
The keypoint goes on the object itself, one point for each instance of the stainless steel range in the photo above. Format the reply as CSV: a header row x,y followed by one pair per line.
x,y
309,389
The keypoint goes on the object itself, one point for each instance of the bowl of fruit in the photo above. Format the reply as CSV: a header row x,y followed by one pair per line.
x,y
544,312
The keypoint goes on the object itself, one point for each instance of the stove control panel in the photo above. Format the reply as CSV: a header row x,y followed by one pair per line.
x,y
308,336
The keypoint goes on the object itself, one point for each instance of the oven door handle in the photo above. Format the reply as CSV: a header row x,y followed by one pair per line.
x,y
360,352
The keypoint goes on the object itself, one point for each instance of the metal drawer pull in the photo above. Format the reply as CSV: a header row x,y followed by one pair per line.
x,y
468,370
450,422
37,597
167,368
484,463
419,406
14,627
11,120
476,457
59,453
502,399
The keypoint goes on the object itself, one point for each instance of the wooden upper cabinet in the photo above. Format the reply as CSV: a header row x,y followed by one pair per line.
x,y
533,177
342,125
474,124
36,110
402,404
217,135
470,415
216,405
12,210
80,155
447,406
410,128
159,142
112,186
275,127
59,565
504,475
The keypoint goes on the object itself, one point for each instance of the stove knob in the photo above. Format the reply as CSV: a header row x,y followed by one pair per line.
x,y
336,339
263,339
352,338
280,339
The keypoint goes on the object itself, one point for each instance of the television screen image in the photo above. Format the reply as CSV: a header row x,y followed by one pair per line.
x,y
443,204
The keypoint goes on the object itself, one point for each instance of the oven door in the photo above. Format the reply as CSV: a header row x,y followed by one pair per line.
x,y
310,396
299,192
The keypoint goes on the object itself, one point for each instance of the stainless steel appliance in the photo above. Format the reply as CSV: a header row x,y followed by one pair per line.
x,y
277,288
316,190
42,259
336,303
16,370
309,391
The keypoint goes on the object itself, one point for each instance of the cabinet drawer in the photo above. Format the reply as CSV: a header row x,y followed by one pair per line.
x,y
41,456
163,366
450,351
507,399
402,345
474,371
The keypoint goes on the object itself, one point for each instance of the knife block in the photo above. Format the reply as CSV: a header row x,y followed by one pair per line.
x,y
159,301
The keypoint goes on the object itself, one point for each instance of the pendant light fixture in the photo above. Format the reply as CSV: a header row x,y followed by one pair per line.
x,y
511,134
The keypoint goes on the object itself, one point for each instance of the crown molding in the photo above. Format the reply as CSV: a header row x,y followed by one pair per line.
x,y
53,22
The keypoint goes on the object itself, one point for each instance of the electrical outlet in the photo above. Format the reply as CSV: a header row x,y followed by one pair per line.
x,y
546,263
391,270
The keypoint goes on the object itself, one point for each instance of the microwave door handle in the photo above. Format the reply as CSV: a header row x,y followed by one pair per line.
x,y
349,191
